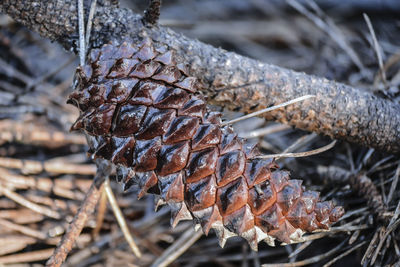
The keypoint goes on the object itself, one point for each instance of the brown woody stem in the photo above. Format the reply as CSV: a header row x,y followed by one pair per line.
x,y
231,80
79,221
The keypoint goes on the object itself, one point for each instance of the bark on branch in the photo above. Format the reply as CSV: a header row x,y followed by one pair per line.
x,y
231,80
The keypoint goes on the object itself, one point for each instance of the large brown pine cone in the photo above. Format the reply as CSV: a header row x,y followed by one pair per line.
x,y
144,114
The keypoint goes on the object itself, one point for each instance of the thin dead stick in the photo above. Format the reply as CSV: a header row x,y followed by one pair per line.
x,y
330,28
30,82
30,133
101,210
270,129
10,239
21,216
9,248
300,142
377,48
391,228
76,226
51,202
347,252
299,154
257,113
383,234
394,184
26,203
33,256
33,166
185,241
300,248
89,24
22,229
309,260
82,46
120,218
9,70
58,187
48,75
395,215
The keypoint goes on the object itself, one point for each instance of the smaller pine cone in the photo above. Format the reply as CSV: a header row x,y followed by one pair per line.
x,y
143,113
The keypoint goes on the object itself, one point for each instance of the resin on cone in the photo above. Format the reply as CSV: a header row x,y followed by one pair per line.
x,y
144,113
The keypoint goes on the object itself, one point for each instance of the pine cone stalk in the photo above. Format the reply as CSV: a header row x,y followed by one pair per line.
x,y
144,113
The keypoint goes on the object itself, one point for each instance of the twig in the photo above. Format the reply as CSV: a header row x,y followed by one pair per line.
x,y
371,246
61,187
23,229
47,76
185,241
394,184
33,256
13,72
257,113
265,131
377,48
82,46
299,143
16,239
32,166
101,210
89,24
53,203
396,214
7,247
26,203
381,232
120,218
347,252
299,154
330,28
378,165
152,13
309,260
28,133
300,248
21,215
390,228
76,226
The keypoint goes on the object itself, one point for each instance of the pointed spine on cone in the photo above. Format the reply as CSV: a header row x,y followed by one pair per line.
x,y
143,113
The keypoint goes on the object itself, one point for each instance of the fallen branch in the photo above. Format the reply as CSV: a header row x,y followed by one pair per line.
x,y
79,221
230,80
37,255
33,166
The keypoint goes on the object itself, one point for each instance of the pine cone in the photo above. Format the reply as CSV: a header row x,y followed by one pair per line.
x,y
143,113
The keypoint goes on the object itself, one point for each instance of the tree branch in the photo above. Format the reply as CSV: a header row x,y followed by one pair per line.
x,y
230,80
